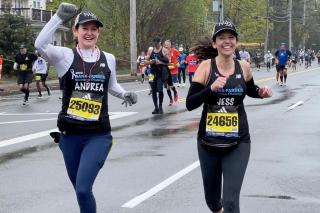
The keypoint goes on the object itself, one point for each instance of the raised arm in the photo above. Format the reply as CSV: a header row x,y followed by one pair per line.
x,y
60,57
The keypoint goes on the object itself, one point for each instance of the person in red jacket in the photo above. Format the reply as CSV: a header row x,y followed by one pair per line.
x,y
192,64
173,66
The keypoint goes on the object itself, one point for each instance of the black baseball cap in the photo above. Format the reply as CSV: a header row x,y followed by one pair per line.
x,y
22,46
87,16
224,26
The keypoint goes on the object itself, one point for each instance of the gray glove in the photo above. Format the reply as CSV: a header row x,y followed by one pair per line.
x,y
67,11
129,98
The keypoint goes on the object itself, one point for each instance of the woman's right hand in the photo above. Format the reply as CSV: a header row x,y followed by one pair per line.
x,y
67,11
219,83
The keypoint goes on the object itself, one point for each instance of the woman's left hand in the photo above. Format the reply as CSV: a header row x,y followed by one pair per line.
x,y
265,92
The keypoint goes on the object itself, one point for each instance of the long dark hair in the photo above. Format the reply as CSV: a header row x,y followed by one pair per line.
x,y
204,49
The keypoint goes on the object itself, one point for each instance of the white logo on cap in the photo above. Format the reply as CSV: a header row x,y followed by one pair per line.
x,y
90,14
226,23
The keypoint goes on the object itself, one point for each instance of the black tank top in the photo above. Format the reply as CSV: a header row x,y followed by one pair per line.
x,y
85,97
223,116
156,69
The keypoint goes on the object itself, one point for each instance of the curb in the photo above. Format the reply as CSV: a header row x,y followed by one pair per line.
x,y
11,88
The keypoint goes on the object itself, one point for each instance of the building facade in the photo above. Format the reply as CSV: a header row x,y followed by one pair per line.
x,y
35,11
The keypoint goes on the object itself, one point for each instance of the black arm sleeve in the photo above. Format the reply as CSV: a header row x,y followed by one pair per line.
x,y
196,95
252,89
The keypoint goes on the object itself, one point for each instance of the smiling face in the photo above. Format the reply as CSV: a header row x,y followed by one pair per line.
x,y
87,34
167,45
225,43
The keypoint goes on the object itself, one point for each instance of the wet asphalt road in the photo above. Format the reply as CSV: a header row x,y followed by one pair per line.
x,y
282,175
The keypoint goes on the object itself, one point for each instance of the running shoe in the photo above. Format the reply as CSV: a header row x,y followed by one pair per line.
x,y
179,85
184,84
155,111
25,103
176,97
171,102
39,96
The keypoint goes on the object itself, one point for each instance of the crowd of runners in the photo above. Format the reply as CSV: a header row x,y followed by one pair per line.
x,y
167,67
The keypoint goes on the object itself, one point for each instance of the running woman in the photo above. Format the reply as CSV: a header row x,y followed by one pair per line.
x,y
192,64
89,74
220,84
23,63
142,66
40,69
282,57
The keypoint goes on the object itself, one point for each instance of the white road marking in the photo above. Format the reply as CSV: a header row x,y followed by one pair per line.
x,y
144,90
25,138
37,113
295,105
27,121
139,199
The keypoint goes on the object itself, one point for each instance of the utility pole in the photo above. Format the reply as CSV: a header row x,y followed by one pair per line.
x,y
133,38
266,41
304,25
221,11
290,25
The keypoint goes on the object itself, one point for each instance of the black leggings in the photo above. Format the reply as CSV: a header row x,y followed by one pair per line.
x,y
232,164
183,72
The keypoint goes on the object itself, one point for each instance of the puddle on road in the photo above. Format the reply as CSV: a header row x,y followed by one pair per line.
x,y
149,119
280,197
160,132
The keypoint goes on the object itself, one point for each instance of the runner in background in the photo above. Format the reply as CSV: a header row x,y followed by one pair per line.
x,y
142,65
182,67
173,66
282,57
192,64
244,55
23,63
268,60
40,69
159,73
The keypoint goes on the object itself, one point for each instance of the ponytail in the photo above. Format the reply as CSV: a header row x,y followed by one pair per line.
x,y
204,49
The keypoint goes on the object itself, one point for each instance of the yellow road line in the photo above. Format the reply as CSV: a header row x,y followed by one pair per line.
x,y
291,73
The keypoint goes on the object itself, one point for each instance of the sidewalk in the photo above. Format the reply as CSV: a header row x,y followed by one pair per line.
x,y
10,87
